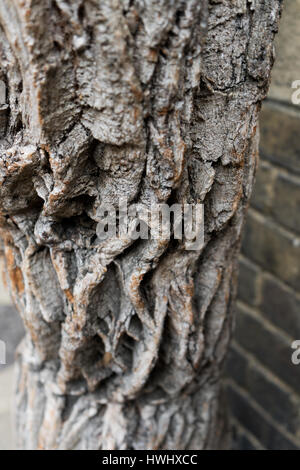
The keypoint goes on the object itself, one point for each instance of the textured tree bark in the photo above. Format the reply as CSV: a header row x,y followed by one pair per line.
x,y
157,100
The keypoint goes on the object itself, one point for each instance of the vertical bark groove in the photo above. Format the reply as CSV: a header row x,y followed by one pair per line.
x,y
157,100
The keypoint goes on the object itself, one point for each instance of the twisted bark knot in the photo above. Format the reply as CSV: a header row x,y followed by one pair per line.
x,y
157,101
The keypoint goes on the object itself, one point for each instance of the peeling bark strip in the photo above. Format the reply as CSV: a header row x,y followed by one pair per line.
x,y
157,100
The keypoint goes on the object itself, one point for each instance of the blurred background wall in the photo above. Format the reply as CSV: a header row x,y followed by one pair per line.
x,y
11,332
263,384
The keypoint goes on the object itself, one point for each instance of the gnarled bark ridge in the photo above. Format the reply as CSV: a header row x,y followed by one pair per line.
x,y
157,100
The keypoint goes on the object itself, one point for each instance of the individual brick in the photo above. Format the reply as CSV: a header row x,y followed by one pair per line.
x,y
262,197
236,366
279,130
286,203
242,440
248,285
272,248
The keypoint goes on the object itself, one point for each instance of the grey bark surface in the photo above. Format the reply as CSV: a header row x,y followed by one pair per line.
x,y
157,100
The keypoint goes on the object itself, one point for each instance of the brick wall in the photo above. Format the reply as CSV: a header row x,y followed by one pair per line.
x,y
263,386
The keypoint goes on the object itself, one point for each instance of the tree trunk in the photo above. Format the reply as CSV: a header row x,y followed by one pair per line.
x,y
157,100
